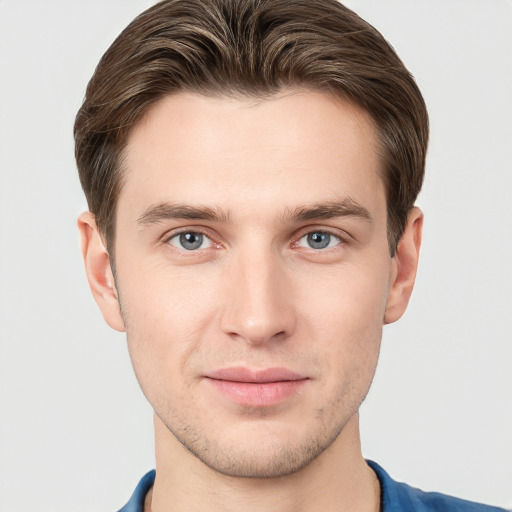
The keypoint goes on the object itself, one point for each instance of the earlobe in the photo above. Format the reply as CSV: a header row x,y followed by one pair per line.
x,y
99,272
405,264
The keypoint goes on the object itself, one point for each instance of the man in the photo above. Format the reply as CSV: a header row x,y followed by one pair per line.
x,y
251,169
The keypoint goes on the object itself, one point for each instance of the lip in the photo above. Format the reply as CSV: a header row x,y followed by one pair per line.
x,y
256,388
242,374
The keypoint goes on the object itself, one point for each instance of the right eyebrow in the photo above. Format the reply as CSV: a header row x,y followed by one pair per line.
x,y
167,211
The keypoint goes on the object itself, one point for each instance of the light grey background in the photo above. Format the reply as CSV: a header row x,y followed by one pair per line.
x,y
75,431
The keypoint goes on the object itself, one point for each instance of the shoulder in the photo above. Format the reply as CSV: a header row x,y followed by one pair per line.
x,y
400,497
136,502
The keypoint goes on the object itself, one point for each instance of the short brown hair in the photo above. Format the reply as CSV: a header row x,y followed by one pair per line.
x,y
254,48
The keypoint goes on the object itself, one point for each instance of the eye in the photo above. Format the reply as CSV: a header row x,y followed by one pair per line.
x,y
319,240
190,241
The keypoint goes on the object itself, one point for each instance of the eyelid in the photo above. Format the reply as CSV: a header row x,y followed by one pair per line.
x,y
204,241
165,239
343,236
333,238
340,234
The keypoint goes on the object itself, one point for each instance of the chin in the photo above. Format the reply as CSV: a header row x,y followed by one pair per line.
x,y
280,462
261,453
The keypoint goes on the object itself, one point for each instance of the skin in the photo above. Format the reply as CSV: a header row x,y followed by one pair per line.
x,y
259,176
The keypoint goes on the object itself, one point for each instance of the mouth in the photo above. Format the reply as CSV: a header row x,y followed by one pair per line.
x,y
256,388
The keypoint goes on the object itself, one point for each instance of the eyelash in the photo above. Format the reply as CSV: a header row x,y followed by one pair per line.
x,y
342,240
170,236
328,232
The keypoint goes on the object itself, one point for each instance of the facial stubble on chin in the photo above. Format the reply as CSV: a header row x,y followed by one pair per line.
x,y
278,460
283,461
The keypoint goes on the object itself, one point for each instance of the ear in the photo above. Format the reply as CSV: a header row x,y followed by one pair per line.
x,y
99,272
405,264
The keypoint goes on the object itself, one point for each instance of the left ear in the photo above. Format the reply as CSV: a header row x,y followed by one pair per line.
x,y
405,264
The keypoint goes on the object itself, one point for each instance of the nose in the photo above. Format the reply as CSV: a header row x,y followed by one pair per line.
x,y
258,299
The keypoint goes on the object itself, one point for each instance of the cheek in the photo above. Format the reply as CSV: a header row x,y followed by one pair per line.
x,y
346,320
164,318
351,300
157,299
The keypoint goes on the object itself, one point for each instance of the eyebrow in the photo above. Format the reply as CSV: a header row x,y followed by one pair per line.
x,y
346,207
168,211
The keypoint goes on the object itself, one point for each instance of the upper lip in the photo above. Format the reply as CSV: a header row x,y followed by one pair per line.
x,y
242,374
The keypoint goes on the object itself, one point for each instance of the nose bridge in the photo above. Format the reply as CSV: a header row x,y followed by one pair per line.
x,y
258,306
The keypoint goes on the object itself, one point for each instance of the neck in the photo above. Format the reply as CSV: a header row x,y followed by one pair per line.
x,y
339,479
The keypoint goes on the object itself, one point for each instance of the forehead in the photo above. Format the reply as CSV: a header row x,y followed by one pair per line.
x,y
295,147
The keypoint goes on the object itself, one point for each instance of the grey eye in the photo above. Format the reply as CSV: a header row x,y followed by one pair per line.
x,y
190,241
319,240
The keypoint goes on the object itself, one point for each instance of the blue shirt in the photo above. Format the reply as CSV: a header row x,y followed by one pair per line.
x,y
395,497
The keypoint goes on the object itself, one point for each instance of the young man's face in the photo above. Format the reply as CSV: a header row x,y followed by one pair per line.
x,y
253,273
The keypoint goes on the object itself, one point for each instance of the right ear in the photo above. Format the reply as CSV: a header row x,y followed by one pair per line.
x,y
99,272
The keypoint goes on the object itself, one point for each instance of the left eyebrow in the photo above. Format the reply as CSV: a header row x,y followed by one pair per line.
x,y
346,207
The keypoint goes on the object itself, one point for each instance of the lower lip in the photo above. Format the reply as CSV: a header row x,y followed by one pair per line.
x,y
257,394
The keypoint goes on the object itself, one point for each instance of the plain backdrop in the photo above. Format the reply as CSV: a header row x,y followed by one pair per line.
x,y
75,430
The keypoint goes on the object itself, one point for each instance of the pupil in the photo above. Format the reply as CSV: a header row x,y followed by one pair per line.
x,y
191,241
319,240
